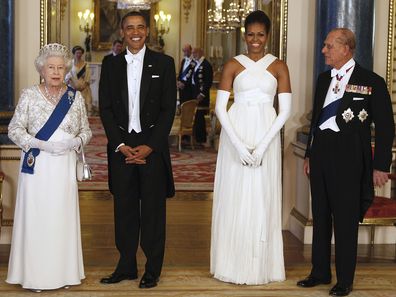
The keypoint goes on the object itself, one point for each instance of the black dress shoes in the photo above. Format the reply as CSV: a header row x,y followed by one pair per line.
x,y
148,281
338,290
312,281
117,277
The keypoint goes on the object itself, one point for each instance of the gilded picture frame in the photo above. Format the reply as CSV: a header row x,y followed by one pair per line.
x,y
107,23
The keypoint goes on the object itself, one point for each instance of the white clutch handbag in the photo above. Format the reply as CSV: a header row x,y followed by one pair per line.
x,y
83,172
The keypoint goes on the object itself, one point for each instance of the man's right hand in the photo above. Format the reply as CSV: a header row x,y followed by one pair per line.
x,y
128,152
306,167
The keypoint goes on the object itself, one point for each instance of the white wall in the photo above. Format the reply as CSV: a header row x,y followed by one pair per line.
x,y
381,37
300,49
172,45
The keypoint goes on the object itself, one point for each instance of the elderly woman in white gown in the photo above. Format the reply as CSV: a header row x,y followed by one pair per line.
x,y
50,125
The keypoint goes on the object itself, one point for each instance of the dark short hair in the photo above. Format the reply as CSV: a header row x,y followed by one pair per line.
x,y
258,16
77,48
117,41
130,14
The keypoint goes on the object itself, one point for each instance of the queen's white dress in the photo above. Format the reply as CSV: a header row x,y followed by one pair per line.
x,y
246,240
46,251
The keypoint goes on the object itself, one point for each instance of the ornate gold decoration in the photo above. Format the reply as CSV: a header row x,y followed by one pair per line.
x,y
391,44
186,9
43,22
63,5
283,31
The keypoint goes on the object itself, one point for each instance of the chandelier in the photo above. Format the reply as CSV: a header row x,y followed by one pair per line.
x,y
134,4
226,20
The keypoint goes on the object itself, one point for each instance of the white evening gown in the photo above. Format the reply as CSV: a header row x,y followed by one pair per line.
x,y
246,241
46,251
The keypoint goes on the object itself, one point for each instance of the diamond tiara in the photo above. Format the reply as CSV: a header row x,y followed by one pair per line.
x,y
54,47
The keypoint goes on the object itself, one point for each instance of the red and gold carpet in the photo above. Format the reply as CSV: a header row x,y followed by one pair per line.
x,y
193,170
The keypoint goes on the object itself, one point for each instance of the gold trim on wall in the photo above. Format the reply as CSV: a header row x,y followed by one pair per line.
x,y
284,15
391,45
43,22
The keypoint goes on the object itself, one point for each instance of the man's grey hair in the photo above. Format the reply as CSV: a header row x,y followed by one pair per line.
x,y
347,37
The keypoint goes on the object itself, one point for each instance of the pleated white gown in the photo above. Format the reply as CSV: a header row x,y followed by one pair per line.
x,y
246,240
46,250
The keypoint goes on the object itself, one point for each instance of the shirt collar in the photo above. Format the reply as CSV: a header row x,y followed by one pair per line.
x,y
139,56
343,70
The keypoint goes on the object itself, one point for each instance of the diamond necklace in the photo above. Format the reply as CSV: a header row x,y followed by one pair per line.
x,y
53,98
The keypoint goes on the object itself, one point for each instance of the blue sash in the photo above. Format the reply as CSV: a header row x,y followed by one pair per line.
x,y
329,111
53,122
82,71
183,75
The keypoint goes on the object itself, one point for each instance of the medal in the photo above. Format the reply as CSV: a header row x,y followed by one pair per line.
x,y
348,115
30,159
362,115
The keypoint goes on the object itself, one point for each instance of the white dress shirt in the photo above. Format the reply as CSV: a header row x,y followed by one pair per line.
x,y
134,75
187,61
332,96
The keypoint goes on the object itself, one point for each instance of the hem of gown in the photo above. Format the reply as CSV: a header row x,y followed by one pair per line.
x,y
55,287
233,281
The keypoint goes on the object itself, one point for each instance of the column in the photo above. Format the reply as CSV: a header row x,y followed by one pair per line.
x,y
6,55
356,15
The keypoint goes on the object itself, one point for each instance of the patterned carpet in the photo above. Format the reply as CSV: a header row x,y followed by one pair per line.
x,y
193,170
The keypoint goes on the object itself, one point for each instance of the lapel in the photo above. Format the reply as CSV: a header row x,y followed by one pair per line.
x,y
124,80
348,97
146,76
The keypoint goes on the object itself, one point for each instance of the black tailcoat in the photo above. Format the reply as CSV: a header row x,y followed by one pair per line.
x,y
341,168
139,190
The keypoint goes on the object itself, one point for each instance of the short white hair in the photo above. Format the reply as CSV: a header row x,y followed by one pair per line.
x,y
53,50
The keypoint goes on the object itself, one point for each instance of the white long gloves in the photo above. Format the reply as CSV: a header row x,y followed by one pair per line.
x,y
285,100
245,155
56,147
221,112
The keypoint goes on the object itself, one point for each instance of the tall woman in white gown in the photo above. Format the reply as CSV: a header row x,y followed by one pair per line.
x,y
246,241
46,248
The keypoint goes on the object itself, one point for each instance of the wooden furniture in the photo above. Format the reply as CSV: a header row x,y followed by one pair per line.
x,y
1,198
382,212
183,124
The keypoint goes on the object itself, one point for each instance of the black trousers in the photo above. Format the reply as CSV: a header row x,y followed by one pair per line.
x,y
200,125
336,168
139,209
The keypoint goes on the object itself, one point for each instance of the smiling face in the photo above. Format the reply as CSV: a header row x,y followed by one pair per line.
x,y
78,54
256,37
54,71
134,31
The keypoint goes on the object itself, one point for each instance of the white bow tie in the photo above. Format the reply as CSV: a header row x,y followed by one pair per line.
x,y
338,72
130,58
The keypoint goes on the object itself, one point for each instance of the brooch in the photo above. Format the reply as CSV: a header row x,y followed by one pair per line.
x,y
363,115
70,97
30,160
365,90
347,115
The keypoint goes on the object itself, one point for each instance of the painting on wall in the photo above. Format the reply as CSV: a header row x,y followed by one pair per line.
x,y
107,23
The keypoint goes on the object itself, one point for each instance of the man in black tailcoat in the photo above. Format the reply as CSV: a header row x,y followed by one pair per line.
x,y
201,83
186,71
339,159
115,50
137,100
